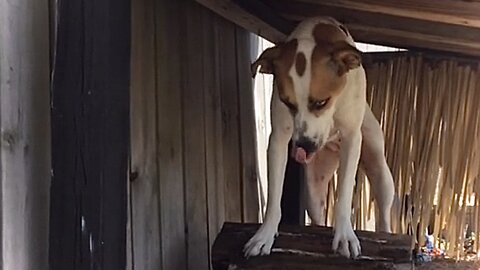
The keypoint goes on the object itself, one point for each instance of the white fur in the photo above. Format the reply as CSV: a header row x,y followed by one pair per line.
x,y
348,118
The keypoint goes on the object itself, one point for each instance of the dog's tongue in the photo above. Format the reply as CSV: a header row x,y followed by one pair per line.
x,y
300,155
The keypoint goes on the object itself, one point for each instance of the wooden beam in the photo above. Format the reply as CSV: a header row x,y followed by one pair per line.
x,y
413,41
300,247
394,30
90,136
251,20
463,13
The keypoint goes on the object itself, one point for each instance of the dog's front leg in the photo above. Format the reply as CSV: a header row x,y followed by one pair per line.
x,y
277,153
345,241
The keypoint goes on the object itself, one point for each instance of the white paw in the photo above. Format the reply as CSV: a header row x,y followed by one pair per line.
x,y
345,241
261,243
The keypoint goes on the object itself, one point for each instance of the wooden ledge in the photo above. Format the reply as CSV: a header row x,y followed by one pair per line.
x,y
300,247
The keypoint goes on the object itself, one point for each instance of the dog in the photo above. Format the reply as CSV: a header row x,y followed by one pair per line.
x,y
319,102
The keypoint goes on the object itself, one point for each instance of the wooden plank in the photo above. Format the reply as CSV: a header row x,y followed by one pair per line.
x,y
145,214
230,121
464,13
426,34
233,12
249,176
90,135
195,196
170,39
299,247
213,127
25,148
403,39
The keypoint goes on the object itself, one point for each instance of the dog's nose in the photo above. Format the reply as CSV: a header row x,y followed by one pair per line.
x,y
307,144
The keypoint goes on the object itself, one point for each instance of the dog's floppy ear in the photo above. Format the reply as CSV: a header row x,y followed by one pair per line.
x,y
265,60
346,57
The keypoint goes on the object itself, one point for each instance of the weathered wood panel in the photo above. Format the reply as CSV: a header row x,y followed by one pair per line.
x,y
144,184
213,128
300,247
170,36
202,169
196,214
448,11
25,134
248,144
449,26
233,12
230,120
90,135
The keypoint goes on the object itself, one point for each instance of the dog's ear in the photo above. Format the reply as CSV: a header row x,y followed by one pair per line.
x,y
265,60
346,57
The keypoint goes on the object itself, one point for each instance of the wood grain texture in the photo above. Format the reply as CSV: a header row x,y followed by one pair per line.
x,y
25,139
216,205
393,30
248,145
230,122
144,193
196,215
90,136
450,26
170,148
299,247
233,12
448,11
192,148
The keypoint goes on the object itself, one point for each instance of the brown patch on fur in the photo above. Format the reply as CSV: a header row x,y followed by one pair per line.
x,y
277,61
332,58
300,63
325,82
282,65
328,33
265,61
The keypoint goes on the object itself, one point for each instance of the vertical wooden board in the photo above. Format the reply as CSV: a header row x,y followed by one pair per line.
x,y
25,152
213,127
145,218
230,120
170,133
90,135
249,177
194,140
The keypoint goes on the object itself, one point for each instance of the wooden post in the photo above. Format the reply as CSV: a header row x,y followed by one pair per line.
x,y
303,248
25,134
90,135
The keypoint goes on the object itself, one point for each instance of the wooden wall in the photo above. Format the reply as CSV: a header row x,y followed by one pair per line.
x,y
192,133
25,134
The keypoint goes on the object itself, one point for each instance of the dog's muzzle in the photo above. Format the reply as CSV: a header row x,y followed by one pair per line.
x,y
304,150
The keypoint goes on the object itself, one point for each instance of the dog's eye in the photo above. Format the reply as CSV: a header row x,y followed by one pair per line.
x,y
317,105
291,107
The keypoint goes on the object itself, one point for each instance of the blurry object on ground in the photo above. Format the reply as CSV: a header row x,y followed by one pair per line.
x,y
449,264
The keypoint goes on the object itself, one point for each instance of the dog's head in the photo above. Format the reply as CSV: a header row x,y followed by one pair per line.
x,y
310,74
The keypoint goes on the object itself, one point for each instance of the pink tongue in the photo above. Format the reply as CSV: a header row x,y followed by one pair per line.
x,y
300,155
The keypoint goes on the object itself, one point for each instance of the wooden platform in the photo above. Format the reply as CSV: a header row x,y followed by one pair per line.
x,y
308,248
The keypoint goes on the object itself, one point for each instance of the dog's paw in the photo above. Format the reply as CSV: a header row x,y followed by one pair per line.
x,y
345,241
261,243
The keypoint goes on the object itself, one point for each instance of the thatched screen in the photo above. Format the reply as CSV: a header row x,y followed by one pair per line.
x,y
429,109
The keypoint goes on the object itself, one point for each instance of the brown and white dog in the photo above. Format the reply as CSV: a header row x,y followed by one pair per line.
x,y
319,101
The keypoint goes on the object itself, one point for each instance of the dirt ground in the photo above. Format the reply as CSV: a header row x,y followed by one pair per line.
x,y
441,264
